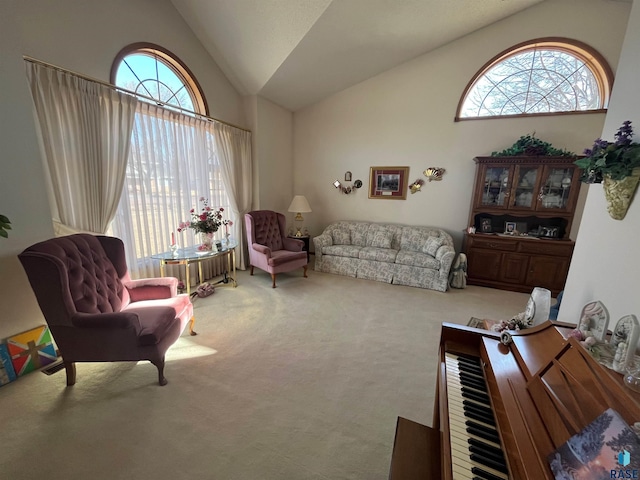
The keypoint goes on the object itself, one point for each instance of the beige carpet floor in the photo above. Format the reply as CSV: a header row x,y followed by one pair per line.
x,y
301,382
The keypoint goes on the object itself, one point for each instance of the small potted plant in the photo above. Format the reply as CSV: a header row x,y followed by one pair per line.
x,y
5,225
616,165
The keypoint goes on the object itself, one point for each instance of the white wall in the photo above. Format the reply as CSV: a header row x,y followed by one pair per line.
x,y
22,190
606,263
405,117
83,36
273,156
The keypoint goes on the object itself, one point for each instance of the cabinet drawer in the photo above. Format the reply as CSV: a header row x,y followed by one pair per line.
x,y
544,248
505,246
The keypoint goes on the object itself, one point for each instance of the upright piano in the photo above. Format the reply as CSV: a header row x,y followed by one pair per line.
x,y
502,408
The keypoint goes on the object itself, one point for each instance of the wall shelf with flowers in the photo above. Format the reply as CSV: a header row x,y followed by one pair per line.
x,y
617,166
206,222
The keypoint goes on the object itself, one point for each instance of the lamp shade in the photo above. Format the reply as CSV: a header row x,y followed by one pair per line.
x,y
299,204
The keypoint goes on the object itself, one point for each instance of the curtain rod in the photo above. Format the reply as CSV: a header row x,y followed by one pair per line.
x,y
115,87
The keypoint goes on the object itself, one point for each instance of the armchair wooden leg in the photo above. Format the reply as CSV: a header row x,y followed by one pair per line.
x,y
273,277
192,322
251,270
70,368
305,271
160,366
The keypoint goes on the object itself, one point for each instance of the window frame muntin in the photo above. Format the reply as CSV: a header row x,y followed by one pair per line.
x,y
171,61
590,56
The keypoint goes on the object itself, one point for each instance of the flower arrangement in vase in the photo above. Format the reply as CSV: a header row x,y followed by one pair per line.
x,y
616,165
206,222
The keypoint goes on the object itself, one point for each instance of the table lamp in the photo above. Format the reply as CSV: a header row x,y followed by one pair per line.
x,y
299,205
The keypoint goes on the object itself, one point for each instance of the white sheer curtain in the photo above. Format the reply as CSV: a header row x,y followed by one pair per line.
x,y
85,134
172,164
233,147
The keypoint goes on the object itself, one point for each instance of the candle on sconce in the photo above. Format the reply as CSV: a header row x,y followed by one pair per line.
x,y
173,238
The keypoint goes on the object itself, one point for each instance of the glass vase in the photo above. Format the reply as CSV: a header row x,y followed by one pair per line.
x,y
207,241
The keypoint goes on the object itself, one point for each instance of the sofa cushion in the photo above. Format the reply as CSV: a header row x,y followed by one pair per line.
x,y
381,238
432,245
387,255
359,234
341,236
417,259
414,238
351,251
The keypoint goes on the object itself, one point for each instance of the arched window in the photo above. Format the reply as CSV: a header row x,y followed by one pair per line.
x,y
152,71
172,161
546,76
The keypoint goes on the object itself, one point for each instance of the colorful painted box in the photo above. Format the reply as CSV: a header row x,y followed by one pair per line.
x,y
31,350
7,373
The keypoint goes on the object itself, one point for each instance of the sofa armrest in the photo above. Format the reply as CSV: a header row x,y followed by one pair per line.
x,y
115,320
445,255
262,249
320,241
152,288
293,244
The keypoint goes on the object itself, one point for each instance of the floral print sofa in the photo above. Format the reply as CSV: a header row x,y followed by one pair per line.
x,y
398,254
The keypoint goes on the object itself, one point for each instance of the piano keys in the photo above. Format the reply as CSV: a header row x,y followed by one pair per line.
x,y
475,442
501,410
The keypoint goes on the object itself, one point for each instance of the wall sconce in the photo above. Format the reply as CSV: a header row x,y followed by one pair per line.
x,y
347,189
434,173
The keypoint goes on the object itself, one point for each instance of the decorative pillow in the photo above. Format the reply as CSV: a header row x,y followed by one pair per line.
x,y
432,245
382,239
341,237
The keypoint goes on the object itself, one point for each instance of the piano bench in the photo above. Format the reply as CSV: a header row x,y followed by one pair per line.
x,y
413,452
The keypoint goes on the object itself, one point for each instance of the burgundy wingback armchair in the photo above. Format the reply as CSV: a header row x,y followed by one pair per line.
x,y
269,247
95,312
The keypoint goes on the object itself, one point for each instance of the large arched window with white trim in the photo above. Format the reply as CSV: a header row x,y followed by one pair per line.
x,y
540,77
154,73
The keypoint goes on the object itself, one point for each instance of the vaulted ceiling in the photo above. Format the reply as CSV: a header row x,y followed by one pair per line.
x,y
297,52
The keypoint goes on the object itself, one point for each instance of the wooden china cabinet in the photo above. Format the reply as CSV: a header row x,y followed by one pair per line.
x,y
522,208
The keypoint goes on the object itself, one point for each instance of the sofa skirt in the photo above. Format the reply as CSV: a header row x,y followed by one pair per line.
x,y
372,270
419,277
339,265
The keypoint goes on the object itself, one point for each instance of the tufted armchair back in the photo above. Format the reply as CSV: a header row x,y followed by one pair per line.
x,y
269,228
95,311
269,249
87,269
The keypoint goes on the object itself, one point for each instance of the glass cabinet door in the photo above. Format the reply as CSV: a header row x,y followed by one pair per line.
x,y
497,186
525,181
556,188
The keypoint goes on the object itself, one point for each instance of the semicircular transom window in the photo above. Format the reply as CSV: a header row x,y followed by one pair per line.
x,y
545,77
152,72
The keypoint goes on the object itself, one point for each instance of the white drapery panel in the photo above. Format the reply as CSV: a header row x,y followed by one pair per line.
x,y
233,148
85,131
172,164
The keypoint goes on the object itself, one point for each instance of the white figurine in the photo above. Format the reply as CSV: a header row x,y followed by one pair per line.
x,y
594,319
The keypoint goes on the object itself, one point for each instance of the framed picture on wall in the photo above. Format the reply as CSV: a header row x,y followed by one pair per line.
x,y
388,182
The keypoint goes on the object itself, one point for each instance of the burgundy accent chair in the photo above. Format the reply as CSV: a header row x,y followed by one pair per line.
x,y
269,247
95,312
